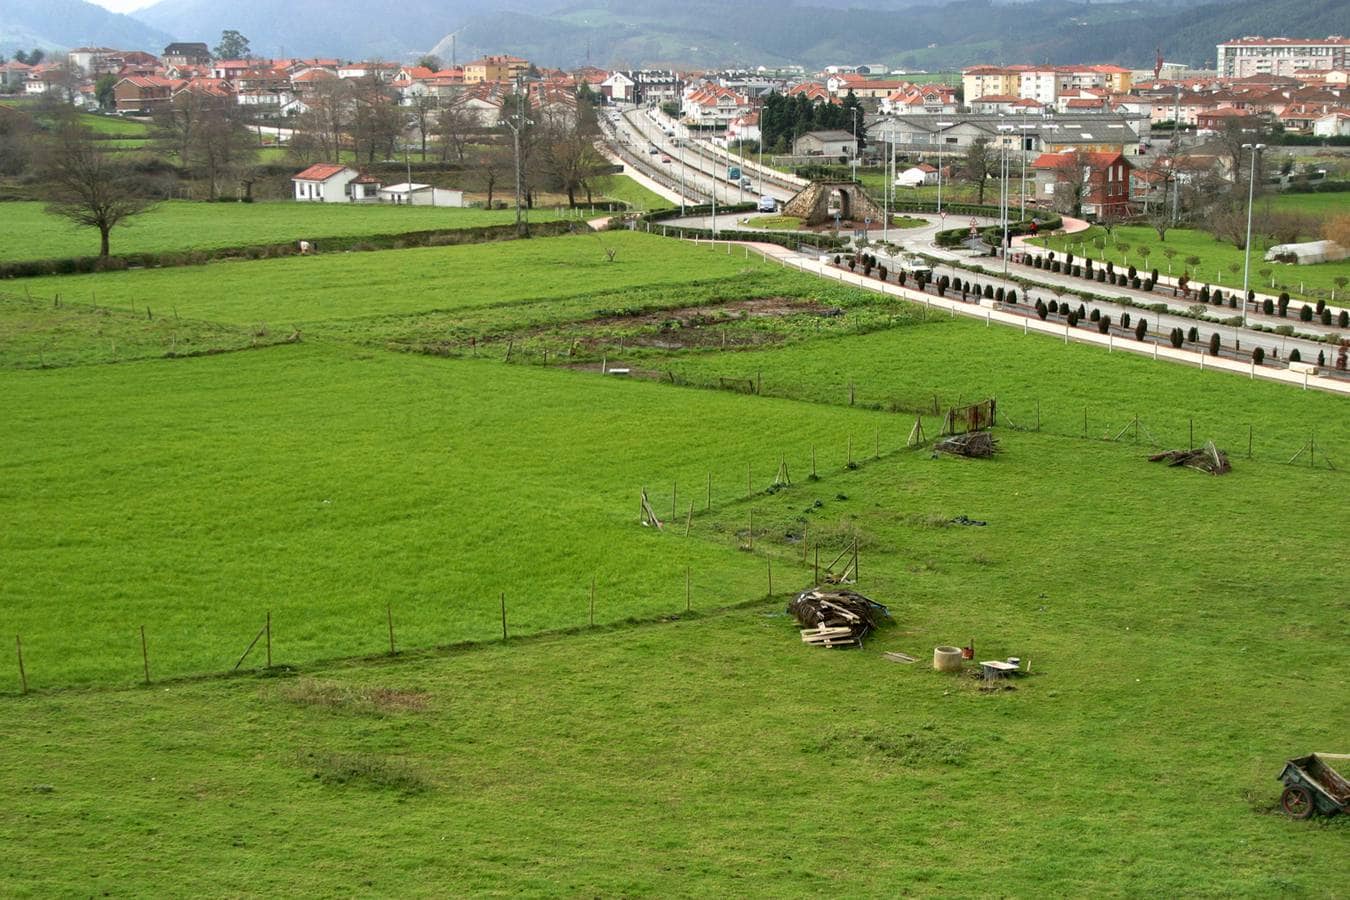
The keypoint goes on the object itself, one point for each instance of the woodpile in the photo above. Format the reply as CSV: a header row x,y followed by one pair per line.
x,y
1205,459
975,444
835,618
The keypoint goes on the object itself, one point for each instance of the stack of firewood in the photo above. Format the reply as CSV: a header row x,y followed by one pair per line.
x,y
835,618
1206,459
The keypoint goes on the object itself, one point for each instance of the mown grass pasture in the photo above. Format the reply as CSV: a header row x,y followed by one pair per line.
x,y
32,233
1184,633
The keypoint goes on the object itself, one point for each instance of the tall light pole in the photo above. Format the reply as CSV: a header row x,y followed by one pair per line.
x,y
515,127
856,143
940,126
1247,248
1003,194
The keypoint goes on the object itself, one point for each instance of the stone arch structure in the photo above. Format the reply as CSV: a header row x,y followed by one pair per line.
x,y
812,203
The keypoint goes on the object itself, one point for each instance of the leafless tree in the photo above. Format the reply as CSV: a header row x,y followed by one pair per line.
x,y
981,161
1072,177
320,130
423,115
455,126
493,168
86,184
376,119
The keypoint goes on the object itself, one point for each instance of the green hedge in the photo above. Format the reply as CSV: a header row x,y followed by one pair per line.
x,y
993,234
436,238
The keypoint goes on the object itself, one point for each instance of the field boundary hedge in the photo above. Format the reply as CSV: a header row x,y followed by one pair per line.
x,y
443,237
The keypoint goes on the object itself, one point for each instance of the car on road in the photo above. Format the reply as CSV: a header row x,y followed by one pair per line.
x,y
746,184
665,159
768,204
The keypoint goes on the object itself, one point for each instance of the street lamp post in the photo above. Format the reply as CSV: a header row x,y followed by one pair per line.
x,y
940,127
1247,247
1004,195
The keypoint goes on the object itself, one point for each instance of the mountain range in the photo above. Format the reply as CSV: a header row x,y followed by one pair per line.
x,y
62,24
910,34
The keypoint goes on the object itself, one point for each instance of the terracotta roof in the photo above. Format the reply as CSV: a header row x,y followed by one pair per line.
x,y
1057,160
319,172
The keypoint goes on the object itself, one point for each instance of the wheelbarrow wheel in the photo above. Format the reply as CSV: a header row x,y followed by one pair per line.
x,y
1297,802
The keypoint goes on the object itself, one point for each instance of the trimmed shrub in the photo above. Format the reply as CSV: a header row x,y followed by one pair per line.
x,y
1054,306
1095,315
1104,324
1217,297
1141,329
1041,311
1305,314
1343,320
1295,356
1258,356
1124,320
1082,311
882,273
1077,271
1204,295
989,292
1193,334
1268,306
1148,284
1134,282
1283,304
1133,272
1101,275
1012,296
1326,316
1176,338
1073,320
1321,305
1214,344
998,295
1321,358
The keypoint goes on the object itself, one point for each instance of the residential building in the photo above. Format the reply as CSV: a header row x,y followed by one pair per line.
x,y
14,74
981,81
334,183
186,54
744,128
1281,55
918,175
143,95
826,143
1332,124
1105,182
495,68
712,106
413,194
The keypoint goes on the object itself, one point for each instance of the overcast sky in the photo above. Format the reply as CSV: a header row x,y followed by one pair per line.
x,y
122,5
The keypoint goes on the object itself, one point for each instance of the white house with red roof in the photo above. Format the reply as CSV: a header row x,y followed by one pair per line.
x,y
335,183
1333,124
744,128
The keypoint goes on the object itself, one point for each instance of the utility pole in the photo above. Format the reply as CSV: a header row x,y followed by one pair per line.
x,y
516,126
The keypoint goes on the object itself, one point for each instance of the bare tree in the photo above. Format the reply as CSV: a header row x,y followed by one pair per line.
x,y
570,155
376,120
423,112
85,184
455,125
1073,172
16,140
320,130
223,145
981,161
494,167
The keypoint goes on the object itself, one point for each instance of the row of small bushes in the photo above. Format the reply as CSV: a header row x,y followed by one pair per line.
x,y
439,238
703,209
1193,313
1206,295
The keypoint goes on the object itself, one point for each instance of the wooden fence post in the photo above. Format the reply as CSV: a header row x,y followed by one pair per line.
x,y
389,614
23,675
269,639
503,615
687,602
592,601
770,577
708,497
145,655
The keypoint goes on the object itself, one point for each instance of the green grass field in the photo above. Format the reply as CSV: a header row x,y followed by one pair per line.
x,y
1185,632
180,225
1217,259
1318,204
625,189
357,285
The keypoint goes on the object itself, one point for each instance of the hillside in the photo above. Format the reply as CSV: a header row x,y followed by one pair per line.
x,y
58,24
